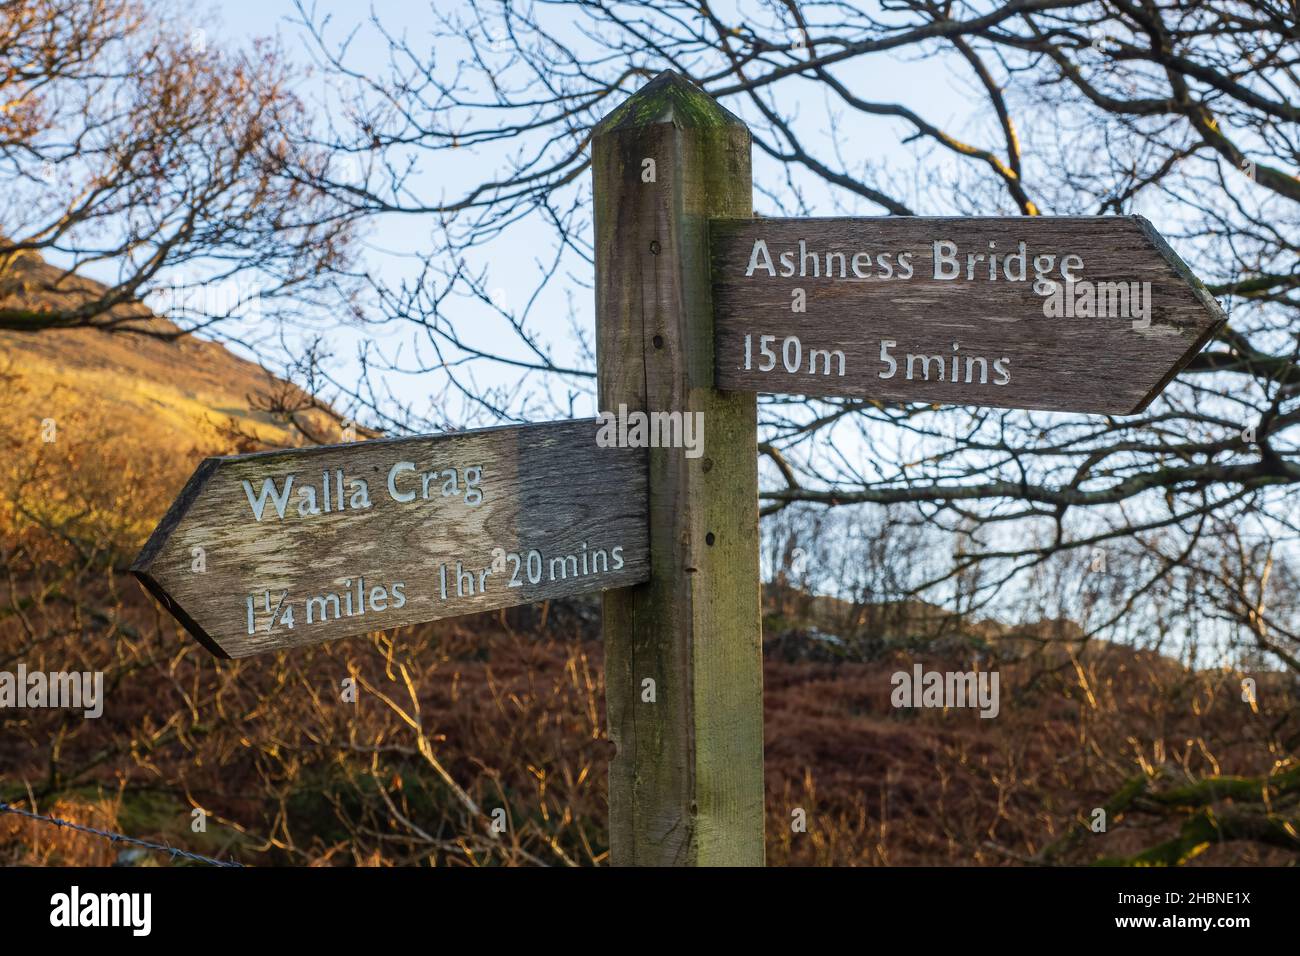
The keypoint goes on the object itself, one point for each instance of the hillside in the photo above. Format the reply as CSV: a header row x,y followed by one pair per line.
x,y
186,391
453,720
100,429
178,390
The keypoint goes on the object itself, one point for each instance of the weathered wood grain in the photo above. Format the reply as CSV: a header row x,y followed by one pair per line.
x,y
686,781
1108,365
546,489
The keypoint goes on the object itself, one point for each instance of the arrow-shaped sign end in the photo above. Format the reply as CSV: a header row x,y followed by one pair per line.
x,y
1218,318
144,561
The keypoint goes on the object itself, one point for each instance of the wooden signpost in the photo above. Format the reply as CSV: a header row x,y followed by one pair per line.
x,y
686,778
273,550
698,306
1078,314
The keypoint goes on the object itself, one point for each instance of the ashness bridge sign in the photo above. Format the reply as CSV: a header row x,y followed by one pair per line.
x,y
1086,314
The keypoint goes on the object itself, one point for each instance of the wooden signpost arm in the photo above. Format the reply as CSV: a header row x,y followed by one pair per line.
x,y
686,780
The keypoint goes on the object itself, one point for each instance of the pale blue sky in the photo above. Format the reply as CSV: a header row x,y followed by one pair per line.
x,y
512,263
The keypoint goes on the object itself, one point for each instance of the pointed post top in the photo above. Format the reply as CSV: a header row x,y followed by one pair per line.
x,y
669,99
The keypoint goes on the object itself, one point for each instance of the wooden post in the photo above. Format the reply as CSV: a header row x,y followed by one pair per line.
x,y
686,780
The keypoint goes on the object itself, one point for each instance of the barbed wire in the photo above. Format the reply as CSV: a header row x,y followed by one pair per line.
x,y
117,837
